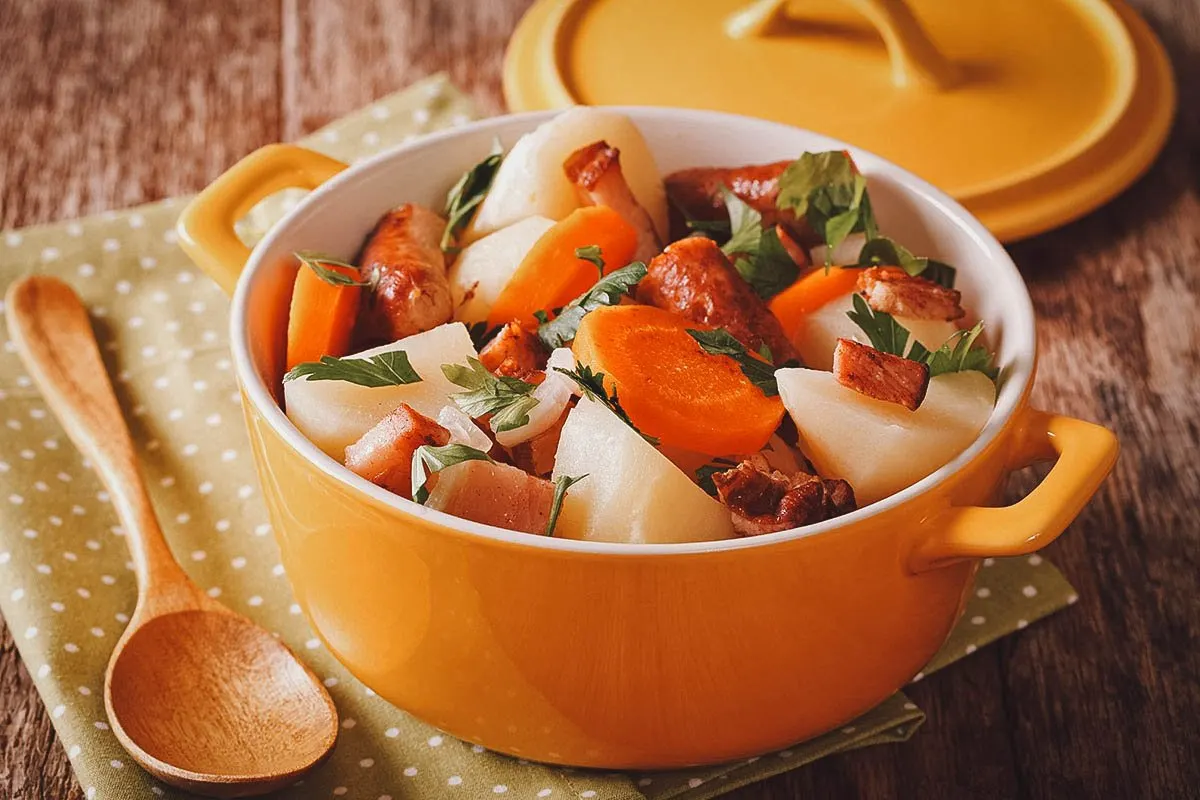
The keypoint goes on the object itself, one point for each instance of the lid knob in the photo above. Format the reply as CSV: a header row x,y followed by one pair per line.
x,y
916,61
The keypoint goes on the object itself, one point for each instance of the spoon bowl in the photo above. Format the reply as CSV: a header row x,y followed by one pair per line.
x,y
201,697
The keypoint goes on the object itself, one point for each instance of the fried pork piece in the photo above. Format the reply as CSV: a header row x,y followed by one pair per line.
x,y
882,376
596,171
696,193
402,258
693,278
763,500
494,494
515,352
536,455
895,292
384,453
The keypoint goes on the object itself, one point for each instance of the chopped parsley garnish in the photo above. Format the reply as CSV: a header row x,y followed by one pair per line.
x,y
436,459
757,253
316,262
959,353
882,251
592,386
720,342
508,400
704,475
591,254
607,291
561,484
386,369
827,191
467,194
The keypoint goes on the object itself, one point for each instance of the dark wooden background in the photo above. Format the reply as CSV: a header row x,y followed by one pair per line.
x,y
109,103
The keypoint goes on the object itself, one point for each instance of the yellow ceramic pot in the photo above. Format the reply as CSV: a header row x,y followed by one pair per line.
x,y
630,656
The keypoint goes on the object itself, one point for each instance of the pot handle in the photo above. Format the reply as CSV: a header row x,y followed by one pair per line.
x,y
1084,454
205,227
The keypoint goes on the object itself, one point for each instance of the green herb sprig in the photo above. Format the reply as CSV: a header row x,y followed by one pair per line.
x,y
827,191
317,261
757,253
959,353
882,251
467,194
436,459
508,400
561,484
386,369
592,255
721,342
607,291
592,386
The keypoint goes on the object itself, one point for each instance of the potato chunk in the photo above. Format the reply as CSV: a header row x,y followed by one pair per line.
x,y
531,179
483,268
334,414
632,493
879,447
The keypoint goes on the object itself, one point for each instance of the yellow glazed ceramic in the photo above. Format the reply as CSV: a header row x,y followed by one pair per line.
x,y
638,656
1029,112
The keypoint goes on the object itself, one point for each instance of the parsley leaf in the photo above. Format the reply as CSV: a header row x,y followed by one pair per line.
x,y
959,353
827,191
437,459
592,255
758,255
386,369
508,400
467,194
886,335
592,386
704,475
882,251
316,262
607,291
561,484
720,342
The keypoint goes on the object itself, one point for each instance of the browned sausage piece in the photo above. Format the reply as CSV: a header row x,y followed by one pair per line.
x,y
403,259
883,376
894,291
384,453
762,500
595,169
515,351
693,278
697,193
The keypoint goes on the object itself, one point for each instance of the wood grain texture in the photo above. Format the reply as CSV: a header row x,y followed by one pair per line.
x,y
102,109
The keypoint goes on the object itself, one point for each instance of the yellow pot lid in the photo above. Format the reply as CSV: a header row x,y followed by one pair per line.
x,y
1029,112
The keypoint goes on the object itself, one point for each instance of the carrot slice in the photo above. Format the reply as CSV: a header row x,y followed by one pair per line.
x,y
670,387
322,316
810,292
551,275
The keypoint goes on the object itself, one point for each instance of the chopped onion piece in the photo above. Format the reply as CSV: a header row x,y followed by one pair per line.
x,y
462,429
846,253
553,394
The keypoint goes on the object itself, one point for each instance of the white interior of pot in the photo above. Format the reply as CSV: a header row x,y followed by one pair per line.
x,y
335,219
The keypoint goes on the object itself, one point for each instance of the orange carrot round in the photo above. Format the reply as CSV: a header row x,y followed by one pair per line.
x,y
322,316
551,275
670,387
810,292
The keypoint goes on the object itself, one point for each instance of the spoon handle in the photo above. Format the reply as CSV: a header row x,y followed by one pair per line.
x,y
50,327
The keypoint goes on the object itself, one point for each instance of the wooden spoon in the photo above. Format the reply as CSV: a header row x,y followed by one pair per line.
x,y
201,697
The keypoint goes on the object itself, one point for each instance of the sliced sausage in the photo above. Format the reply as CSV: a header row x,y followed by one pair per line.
x,y
515,352
402,258
693,278
696,192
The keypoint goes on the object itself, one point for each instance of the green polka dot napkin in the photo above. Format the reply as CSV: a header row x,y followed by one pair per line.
x,y
66,585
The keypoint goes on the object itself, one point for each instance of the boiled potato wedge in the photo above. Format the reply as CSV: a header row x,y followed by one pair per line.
x,y
879,447
632,493
483,268
334,414
531,180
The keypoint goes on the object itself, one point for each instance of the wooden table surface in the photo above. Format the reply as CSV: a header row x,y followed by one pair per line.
x,y
108,104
